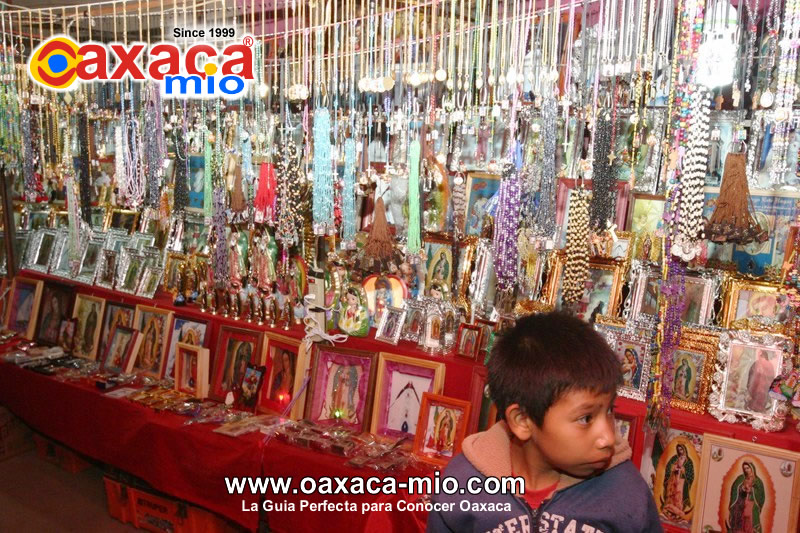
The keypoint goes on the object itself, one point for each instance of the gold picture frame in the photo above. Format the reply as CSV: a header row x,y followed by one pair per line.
x,y
88,311
693,361
754,305
592,308
124,219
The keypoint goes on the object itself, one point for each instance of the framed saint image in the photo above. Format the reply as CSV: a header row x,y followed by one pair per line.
x,y
693,364
41,249
746,365
646,213
746,487
480,188
107,269
399,385
442,425
130,270
250,388
196,183
24,300
431,339
286,373
88,312
391,325
124,219
438,262
383,292
236,348
59,261
66,334
753,304
469,341
634,351
120,349
154,325
176,263
149,282
191,370
415,321
116,314
671,467
487,333
602,288
341,388
188,331
626,427
89,260
699,290
56,305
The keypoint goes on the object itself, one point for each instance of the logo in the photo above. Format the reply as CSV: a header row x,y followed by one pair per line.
x,y
199,71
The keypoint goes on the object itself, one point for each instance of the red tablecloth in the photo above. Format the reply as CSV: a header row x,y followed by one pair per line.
x,y
189,462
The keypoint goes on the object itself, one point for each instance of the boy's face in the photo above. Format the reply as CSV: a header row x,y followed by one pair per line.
x,y
577,435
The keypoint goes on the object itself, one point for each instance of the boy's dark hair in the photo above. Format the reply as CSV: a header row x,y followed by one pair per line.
x,y
546,355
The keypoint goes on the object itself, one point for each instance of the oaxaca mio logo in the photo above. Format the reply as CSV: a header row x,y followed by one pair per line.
x,y
60,64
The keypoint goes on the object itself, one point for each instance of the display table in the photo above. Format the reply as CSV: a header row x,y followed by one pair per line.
x,y
187,462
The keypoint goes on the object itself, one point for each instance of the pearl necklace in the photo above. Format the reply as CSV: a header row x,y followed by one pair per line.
x,y
786,92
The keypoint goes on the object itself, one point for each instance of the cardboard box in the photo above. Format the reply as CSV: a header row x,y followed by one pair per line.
x,y
59,455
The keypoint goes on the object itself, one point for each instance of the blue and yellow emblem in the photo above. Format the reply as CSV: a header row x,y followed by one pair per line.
x,y
53,63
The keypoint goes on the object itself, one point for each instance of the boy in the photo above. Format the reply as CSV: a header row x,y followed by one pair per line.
x,y
553,379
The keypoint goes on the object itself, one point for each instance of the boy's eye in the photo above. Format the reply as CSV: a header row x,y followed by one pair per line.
x,y
585,419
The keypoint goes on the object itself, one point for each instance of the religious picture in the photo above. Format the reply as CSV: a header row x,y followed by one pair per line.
x,y
116,314
414,322
132,274
108,269
688,366
390,325
55,307
236,348
282,378
88,311
750,373
340,391
196,182
633,349
24,303
400,384
250,387
442,424
671,468
66,334
650,297
187,331
123,219
89,263
438,263
154,327
746,487
480,189
191,370
42,259
630,355
122,341
596,294
383,292
646,214
771,305
696,298
353,315
468,343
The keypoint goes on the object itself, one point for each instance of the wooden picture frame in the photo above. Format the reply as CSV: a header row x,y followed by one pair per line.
x,y
191,370
445,423
746,365
341,389
55,306
287,363
115,314
693,361
155,326
192,331
468,343
88,311
24,298
236,347
120,349
735,471
396,409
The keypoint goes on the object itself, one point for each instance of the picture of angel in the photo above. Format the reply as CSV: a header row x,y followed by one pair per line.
x,y
440,432
685,384
671,467
751,371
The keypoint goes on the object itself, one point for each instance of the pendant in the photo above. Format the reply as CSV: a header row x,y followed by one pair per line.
x,y
767,98
441,74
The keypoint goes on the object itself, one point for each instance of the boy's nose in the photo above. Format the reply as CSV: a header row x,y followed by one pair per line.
x,y
608,434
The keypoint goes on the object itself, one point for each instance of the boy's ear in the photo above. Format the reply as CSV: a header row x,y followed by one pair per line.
x,y
518,422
